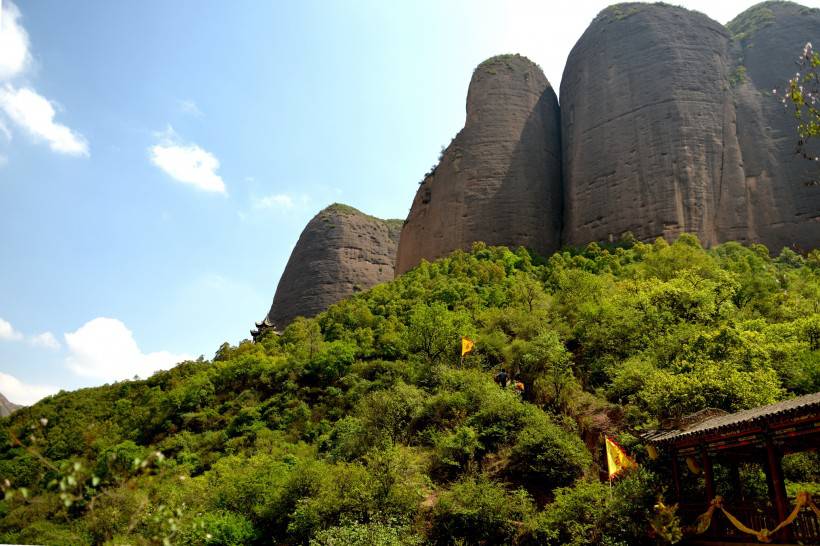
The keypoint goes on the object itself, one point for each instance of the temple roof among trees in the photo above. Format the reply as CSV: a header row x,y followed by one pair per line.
x,y
713,421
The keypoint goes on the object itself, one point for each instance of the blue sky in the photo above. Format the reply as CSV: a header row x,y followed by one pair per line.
x,y
158,160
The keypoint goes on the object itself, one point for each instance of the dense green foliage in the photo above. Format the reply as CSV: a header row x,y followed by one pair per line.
x,y
361,426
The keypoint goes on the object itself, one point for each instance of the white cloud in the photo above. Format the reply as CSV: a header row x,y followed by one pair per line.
x,y
23,105
14,45
35,114
104,348
189,107
187,163
280,200
4,128
23,393
8,333
46,339
3,160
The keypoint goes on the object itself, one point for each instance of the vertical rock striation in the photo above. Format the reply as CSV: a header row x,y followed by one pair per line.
x,y
341,251
669,126
647,127
499,180
785,210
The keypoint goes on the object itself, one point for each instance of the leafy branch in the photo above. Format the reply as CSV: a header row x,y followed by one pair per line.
x,y
801,95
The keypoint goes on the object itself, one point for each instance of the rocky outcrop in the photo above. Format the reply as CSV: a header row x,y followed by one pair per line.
x,y
499,180
785,209
669,126
649,144
341,251
6,407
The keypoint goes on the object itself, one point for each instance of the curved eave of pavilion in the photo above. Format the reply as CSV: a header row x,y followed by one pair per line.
x,y
264,326
807,406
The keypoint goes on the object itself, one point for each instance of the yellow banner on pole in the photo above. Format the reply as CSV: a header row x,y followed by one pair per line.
x,y
616,458
466,346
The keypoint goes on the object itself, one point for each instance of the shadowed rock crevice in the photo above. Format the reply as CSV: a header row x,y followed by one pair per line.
x,y
499,179
669,125
532,156
766,41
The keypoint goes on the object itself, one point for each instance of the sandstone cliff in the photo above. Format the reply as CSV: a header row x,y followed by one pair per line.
x,y
499,180
6,407
649,144
341,251
767,38
669,125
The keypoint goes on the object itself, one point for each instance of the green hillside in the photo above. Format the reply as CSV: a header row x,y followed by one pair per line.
x,y
361,426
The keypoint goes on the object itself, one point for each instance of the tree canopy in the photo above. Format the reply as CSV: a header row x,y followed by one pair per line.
x,y
361,426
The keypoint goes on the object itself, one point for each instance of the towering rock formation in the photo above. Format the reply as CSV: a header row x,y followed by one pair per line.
x,y
341,251
669,125
767,39
6,407
499,180
648,135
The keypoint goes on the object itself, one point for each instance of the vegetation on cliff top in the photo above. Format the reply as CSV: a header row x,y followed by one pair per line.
x,y
512,61
361,426
744,26
341,208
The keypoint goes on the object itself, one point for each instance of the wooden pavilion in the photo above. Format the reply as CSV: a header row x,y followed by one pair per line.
x,y
700,444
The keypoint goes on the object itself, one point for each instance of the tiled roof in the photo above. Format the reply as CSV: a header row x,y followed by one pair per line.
x,y
799,405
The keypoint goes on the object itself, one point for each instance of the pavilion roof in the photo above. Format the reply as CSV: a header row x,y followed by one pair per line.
x,y
742,419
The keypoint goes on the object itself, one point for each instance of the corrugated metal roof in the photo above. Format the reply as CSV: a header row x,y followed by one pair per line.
x,y
800,404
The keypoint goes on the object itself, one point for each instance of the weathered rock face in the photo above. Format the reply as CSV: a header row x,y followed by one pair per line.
x,y
668,125
499,180
767,39
647,125
6,407
341,251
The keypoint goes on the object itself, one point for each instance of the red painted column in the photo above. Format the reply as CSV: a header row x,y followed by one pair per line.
x,y
734,474
676,474
709,480
775,471
708,476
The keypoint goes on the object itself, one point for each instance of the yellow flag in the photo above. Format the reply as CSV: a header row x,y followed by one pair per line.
x,y
466,346
616,458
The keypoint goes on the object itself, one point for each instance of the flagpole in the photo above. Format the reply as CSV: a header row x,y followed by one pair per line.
x,y
608,470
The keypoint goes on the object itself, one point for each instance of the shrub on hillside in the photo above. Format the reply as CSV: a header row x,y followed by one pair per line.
x,y
371,534
478,511
548,456
590,512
